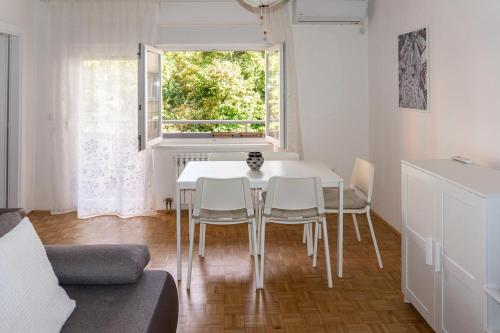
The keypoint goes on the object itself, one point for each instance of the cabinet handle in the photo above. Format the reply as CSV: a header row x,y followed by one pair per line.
x,y
428,251
437,257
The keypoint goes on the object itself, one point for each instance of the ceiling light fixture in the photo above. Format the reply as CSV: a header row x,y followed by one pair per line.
x,y
261,3
264,6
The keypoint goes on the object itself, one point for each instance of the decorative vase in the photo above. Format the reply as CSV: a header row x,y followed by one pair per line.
x,y
255,160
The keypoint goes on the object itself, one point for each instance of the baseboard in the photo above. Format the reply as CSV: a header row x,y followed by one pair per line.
x,y
387,224
43,211
164,211
39,211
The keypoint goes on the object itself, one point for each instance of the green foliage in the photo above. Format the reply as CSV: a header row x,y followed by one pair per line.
x,y
214,85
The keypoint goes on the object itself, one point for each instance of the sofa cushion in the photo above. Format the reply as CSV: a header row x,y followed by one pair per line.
x,y
31,299
98,264
150,305
8,221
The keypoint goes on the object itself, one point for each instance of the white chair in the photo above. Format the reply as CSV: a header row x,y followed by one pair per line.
x,y
222,156
287,156
294,201
280,156
228,156
357,198
222,202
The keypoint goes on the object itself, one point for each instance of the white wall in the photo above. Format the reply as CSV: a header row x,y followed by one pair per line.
x,y
464,81
332,75
198,23
17,17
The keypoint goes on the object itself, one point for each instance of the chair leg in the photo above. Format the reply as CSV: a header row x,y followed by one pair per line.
x,y
320,234
200,241
250,241
253,229
203,232
204,238
309,239
262,250
374,239
191,245
259,220
327,254
316,237
304,235
355,222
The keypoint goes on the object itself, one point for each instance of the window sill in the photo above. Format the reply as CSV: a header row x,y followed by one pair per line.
x,y
215,144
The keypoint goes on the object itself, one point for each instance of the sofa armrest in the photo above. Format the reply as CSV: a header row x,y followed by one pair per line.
x,y
9,218
98,264
20,211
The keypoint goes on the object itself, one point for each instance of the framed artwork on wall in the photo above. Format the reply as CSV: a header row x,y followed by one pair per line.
x,y
413,70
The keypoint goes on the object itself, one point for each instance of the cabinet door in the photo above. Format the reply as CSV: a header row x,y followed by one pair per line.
x,y
460,265
419,220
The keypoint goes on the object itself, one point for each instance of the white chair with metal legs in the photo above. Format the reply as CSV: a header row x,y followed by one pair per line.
x,y
357,199
294,201
289,156
222,202
223,156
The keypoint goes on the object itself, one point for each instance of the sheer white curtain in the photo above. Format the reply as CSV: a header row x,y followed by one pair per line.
x,y
96,168
279,26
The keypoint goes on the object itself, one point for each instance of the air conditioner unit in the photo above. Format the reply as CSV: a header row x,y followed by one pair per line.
x,y
330,11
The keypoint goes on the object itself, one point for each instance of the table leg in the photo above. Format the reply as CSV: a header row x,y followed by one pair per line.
x,y
178,225
340,240
257,217
190,206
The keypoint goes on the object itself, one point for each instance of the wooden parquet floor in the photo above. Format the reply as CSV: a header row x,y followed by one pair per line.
x,y
295,299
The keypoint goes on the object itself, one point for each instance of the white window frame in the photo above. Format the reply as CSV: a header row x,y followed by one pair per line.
x,y
281,143
143,142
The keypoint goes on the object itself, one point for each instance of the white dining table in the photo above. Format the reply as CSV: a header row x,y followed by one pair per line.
x,y
258,180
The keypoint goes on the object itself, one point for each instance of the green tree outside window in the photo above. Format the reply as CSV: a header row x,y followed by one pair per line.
x,y
214,85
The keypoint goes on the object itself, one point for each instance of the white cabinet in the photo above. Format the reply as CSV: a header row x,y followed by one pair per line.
x,y
419,211
450,248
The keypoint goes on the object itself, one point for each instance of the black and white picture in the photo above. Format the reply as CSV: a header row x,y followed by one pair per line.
x,y
413,70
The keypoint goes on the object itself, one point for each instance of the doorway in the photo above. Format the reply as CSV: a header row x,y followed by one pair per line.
x,y
9,120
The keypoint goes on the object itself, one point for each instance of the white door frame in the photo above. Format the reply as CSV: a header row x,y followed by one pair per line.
x,y
4,83
14,165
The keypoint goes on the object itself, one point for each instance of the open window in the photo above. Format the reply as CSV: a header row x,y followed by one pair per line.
x,y
275,95
238,93
150,96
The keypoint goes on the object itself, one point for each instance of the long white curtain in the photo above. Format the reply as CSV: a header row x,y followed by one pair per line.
x,y
96,168
279,27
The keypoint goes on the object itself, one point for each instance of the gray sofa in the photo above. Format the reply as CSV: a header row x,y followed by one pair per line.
x,y
113,292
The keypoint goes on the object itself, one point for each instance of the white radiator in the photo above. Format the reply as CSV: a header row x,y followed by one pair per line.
x,y
181,159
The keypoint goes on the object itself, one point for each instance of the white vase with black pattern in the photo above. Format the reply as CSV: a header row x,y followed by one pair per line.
x,y
255,160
